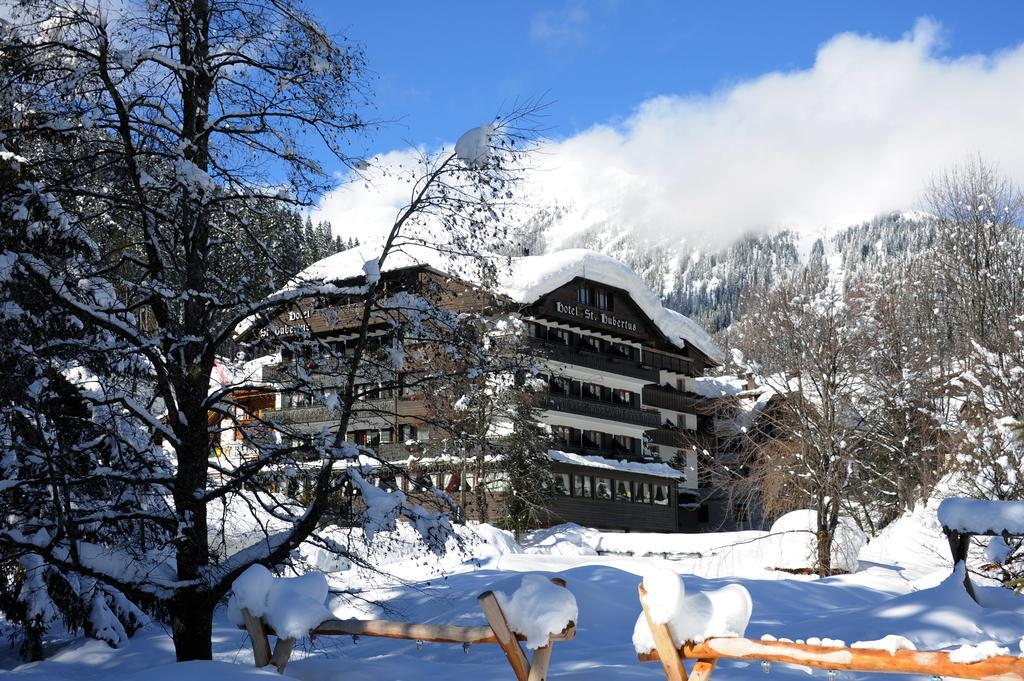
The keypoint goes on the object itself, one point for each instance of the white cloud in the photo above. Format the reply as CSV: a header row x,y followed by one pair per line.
x,y
857,134
564,27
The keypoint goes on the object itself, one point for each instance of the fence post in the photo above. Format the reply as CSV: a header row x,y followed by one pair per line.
x,y
671,662
258,634
506,638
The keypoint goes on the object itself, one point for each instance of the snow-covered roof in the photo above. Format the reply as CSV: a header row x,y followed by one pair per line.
x,y
719,386
525,280
659,469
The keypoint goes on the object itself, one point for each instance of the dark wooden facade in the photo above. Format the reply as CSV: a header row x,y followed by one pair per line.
x,y
615,317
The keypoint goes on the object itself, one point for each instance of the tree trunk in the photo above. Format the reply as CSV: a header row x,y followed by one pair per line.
x,y
824,552
192,627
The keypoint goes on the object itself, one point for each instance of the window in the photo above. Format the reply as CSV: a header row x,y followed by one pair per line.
x,y
559,385
604,299
622,397
621,350
661,495
566,436
406,432
623,443
584,294
591,391
603,488
642,492
562,484
370,438
592,438
495,482
703,514
301,399
590,343
560,336
404,387
623,491
582,486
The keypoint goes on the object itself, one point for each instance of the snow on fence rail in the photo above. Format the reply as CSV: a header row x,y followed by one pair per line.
x,y
537,614
669,625
963,518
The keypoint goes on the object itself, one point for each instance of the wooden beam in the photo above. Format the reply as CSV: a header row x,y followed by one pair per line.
x,y
702,669
435,633
258,634
665,648
1003,667
959,546
506,639
411,631
540,661
282,651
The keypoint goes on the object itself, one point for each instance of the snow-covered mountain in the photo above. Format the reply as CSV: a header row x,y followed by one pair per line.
x,y
707,284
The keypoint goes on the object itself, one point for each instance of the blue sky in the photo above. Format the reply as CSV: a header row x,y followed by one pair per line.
x,y
697,122
440,67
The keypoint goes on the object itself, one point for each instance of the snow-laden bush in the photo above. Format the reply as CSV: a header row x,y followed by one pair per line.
x,y
568,539
795,539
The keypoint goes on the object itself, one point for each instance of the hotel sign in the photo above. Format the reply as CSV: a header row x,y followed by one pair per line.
x,y
592,315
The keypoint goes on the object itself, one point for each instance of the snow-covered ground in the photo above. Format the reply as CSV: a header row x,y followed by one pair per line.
x,y
901,588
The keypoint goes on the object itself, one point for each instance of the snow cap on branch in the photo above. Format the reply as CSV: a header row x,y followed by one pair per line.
x,y
474,146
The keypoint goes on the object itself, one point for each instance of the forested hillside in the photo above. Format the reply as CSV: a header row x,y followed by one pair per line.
x,y
708,285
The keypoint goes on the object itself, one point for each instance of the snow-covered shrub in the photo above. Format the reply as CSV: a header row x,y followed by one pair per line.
x,y
795,542
567,539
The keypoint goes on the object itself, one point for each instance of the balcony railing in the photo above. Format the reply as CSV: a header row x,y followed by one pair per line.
x,y
680,365
690,403
601,410
600,361
681,438
617,453
385,406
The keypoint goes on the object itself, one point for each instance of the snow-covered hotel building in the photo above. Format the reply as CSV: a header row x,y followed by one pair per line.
x,y
629,430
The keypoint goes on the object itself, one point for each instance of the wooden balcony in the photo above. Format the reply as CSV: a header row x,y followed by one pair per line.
x,y
682,439
676,400
600,410
412,405
675,363
599,361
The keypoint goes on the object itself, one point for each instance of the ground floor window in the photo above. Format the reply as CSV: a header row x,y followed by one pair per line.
x,y
623,491
603,487
495,482
642,493
661,495
406,432
562,484
582,486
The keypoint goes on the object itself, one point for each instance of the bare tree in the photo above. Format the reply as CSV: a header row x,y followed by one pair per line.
x,y
801,341
979,256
